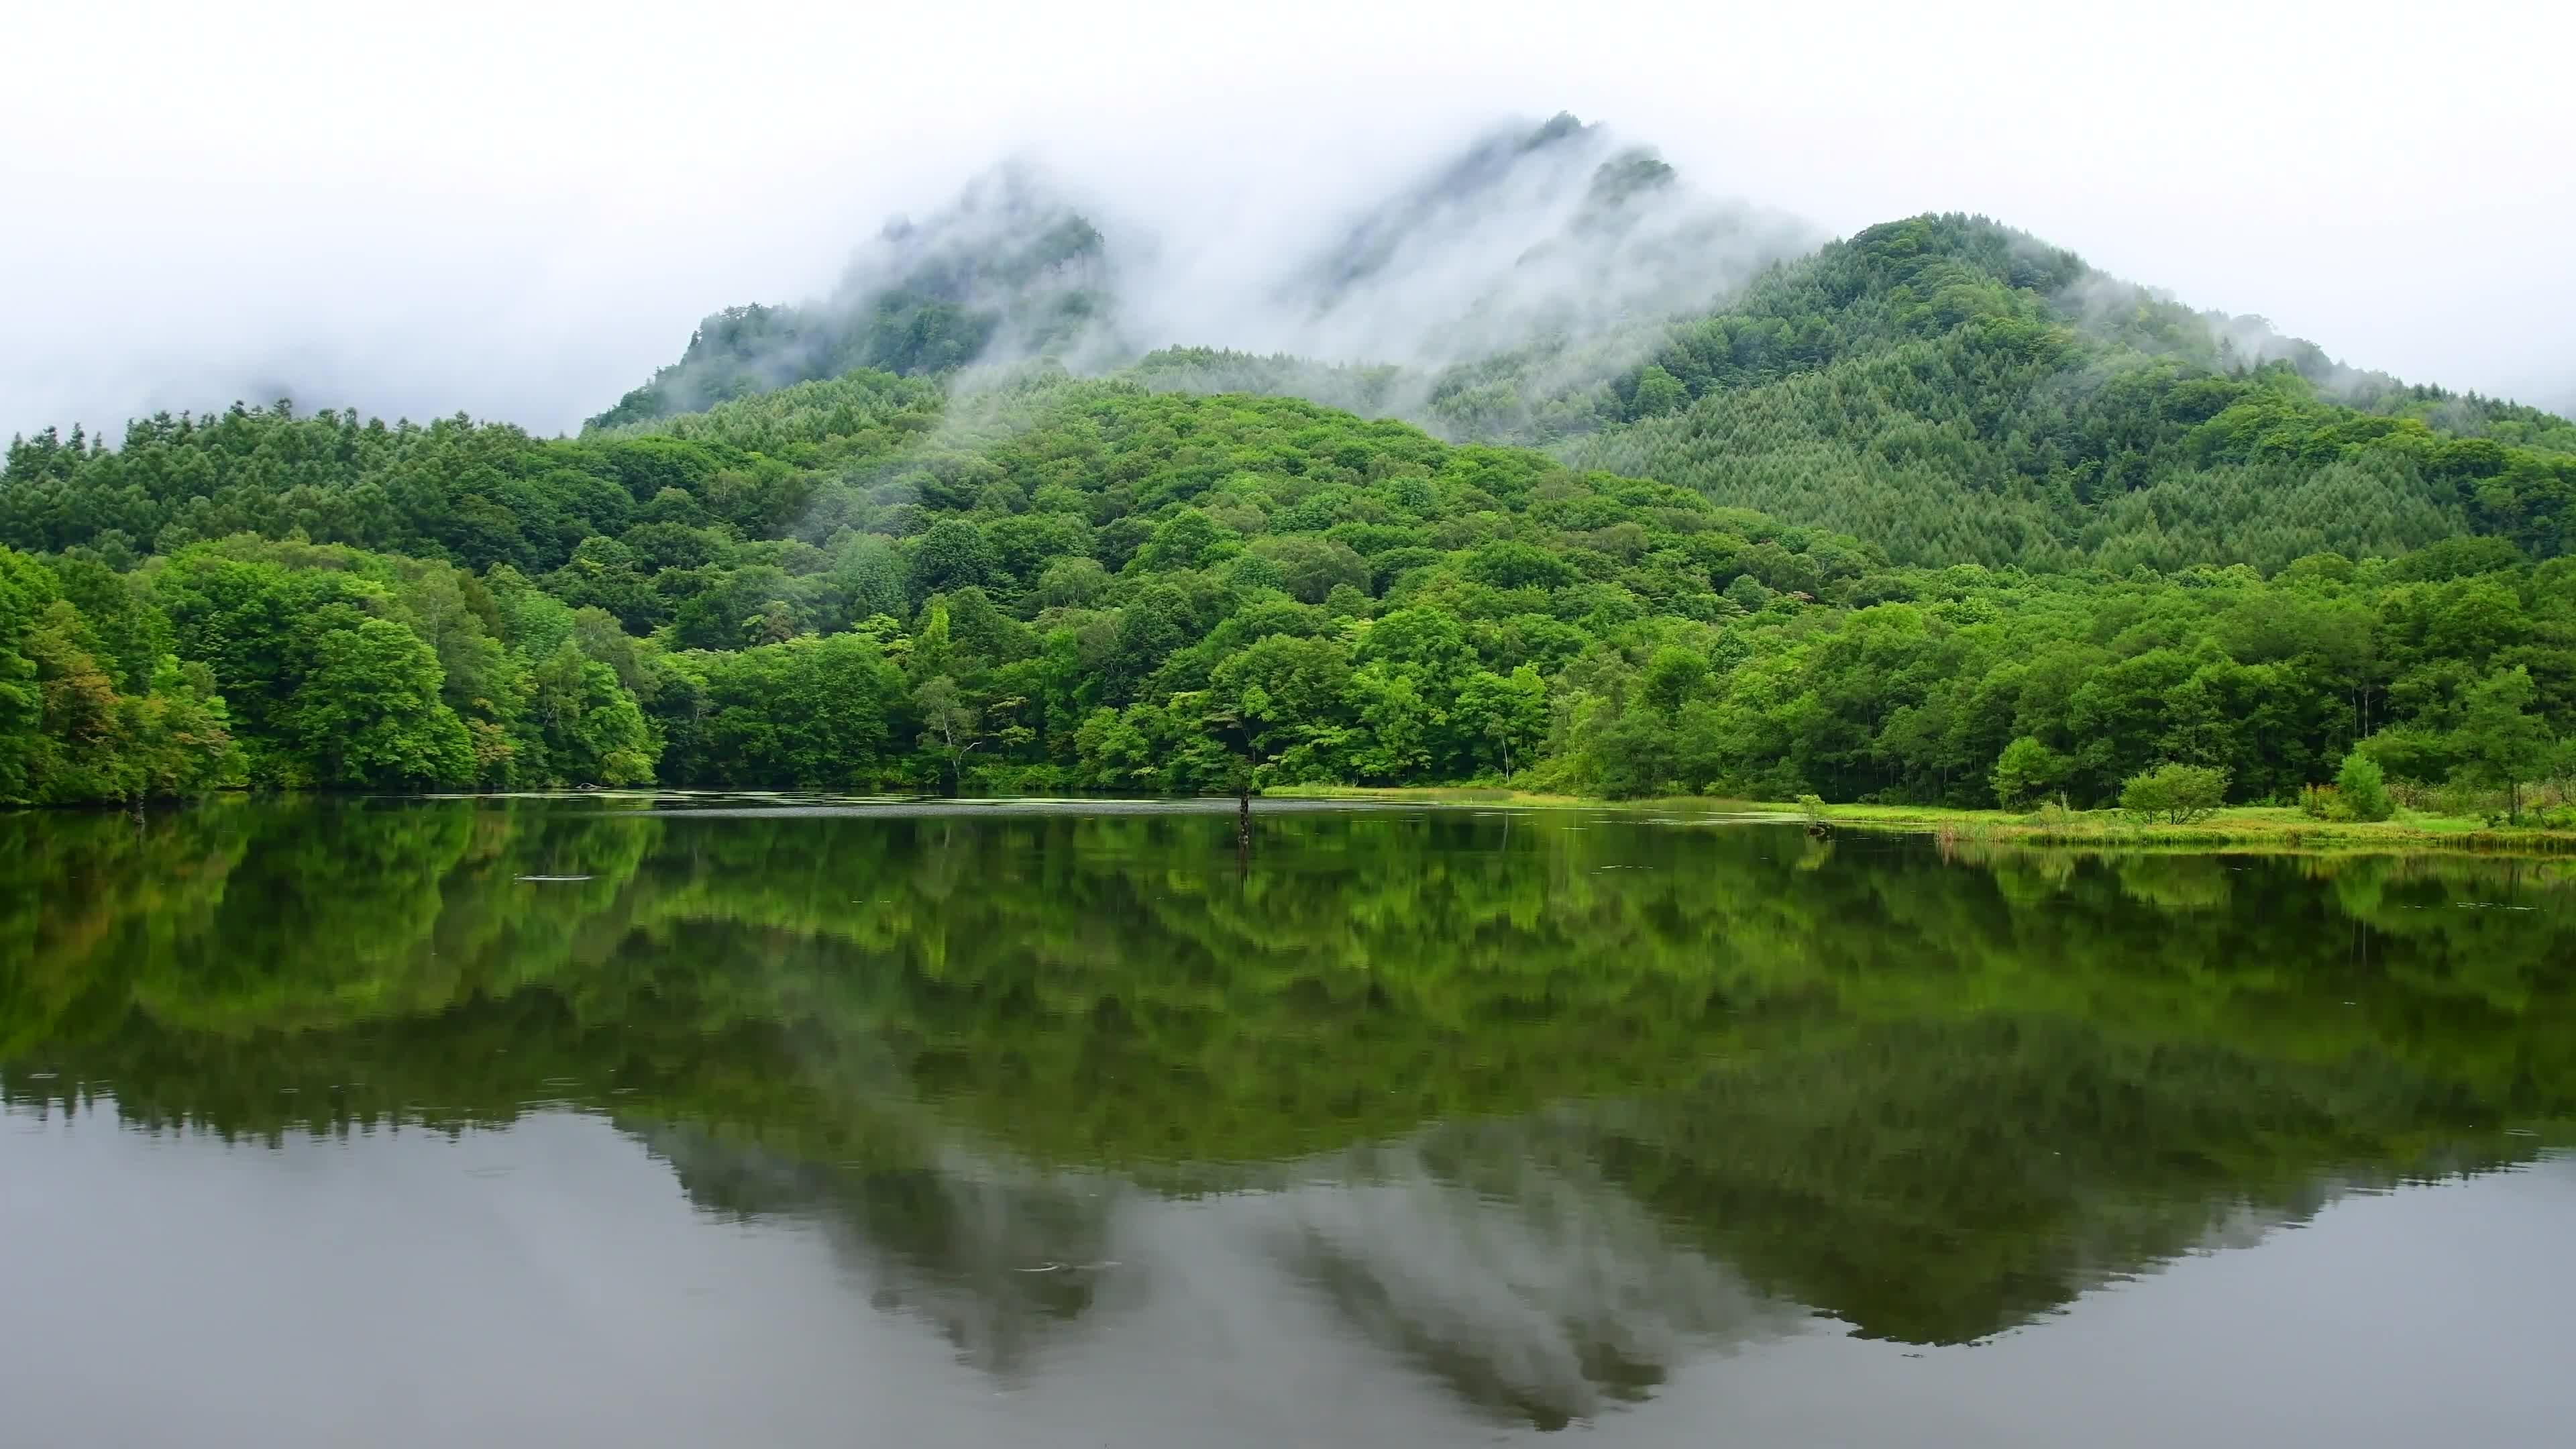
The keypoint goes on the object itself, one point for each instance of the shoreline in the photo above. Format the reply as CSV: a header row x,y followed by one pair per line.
x,y
2277,829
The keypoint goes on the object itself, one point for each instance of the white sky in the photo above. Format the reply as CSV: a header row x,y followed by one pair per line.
x,y
519,209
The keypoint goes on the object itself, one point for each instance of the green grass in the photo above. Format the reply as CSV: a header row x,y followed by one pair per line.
x,y
1428,794
2257,827
2268,826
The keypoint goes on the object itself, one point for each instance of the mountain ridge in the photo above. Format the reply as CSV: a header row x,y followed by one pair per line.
x,y
2031,394
1514,237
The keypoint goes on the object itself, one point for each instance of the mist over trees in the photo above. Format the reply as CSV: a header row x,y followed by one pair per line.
x,y
1935,513
1559,231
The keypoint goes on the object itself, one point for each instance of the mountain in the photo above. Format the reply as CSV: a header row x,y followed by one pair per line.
x,y
1009,268
1951,389
1961,392
1933,513
1557,232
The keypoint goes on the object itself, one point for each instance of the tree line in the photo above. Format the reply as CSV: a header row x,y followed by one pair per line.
x,y
864,583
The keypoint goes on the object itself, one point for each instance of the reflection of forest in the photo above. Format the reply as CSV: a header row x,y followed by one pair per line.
x,y
1530,1107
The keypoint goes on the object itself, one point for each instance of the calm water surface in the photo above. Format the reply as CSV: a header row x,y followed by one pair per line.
x,y
630,1122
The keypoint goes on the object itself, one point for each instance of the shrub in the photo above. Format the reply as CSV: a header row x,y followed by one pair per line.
x,y
2175,794
2362,789
2324,802
2053,812
2026,771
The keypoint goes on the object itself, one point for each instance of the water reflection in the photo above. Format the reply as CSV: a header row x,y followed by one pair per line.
x,y
1539,1109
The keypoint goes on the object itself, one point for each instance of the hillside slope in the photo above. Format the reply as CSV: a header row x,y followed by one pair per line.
x,y
1958,392
872,582
1947,387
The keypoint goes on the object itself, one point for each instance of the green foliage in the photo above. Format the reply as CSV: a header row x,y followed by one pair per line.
x,y
2026,771
816,712
2500,742
2362,789
1139,590
1958,392
92,704
2174,794
364,707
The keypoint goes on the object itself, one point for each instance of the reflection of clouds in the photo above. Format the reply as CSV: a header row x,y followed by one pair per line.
x,y
1497,1259
1514,1274
996,1260
1488,1256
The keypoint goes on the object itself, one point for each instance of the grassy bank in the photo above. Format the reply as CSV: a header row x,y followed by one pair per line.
x,y
2257,826
1438,795
2248,827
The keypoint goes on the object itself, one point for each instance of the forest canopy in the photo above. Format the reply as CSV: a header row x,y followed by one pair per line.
x,y
1932,515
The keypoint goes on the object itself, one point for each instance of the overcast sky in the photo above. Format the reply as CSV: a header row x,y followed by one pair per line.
x,y
519,209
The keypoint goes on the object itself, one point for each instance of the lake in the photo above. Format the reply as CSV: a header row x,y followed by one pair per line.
x,y
683,1120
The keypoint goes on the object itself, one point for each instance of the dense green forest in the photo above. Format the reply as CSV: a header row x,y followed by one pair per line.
x,y
2009,547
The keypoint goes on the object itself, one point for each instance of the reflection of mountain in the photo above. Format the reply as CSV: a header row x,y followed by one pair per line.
x,y
1491,1256
1537,1126
1932,1182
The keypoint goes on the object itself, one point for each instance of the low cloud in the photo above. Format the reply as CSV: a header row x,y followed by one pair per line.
x,y
362,210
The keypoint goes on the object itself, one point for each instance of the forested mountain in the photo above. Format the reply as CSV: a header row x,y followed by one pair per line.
x,y
1010,268
1557,231
1935,513
1961,393
1949,388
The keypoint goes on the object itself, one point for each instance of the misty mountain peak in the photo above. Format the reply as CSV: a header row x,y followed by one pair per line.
x,y
1009,267
1531,234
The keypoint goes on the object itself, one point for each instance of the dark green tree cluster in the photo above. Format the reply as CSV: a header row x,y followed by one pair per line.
x,y
1969,687
1959,393
289,664
95,703
477,495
